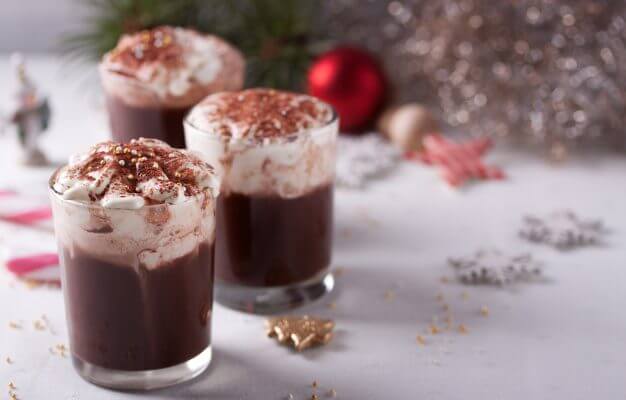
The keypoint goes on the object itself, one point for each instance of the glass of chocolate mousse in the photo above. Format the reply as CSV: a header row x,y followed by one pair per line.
x,y
135,224
152,78
275,154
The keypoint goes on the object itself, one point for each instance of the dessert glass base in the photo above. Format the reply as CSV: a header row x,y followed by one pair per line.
x,y
143,380
269,300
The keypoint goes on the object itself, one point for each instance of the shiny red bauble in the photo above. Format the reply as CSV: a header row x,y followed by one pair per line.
x,y
352,81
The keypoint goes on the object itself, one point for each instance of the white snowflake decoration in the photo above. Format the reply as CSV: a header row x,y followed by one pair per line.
x,y
493,267
360,159
563,230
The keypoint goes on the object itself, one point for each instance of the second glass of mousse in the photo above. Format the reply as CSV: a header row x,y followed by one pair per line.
x,y
152,78
135,224
275,154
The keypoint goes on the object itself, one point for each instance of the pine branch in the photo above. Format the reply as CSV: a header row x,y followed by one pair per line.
x,y
277,36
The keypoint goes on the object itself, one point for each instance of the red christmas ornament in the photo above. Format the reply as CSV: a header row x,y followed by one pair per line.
x,y
352,81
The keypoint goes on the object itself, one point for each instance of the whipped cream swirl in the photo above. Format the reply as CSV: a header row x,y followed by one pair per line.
x,y
170,65
129,176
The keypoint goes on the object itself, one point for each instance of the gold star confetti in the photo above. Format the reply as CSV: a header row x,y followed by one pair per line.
x,y
434,329
60,350
484,311
420,340
15,325
390,295
300,332
463,329
39,325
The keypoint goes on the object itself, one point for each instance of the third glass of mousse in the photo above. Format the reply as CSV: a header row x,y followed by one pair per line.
x,y
135,223
152,78
275,154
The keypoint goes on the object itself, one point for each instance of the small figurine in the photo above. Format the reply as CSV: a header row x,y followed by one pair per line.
x,y
30,113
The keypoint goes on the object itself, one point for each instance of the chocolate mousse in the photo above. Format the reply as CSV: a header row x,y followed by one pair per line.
x,y
275,152
153,77
135,224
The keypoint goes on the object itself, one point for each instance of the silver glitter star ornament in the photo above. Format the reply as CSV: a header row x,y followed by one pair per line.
x,y
360,159
563,230
495,268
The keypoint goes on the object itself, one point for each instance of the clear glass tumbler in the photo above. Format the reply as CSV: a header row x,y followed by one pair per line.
x,y
138,287
274,216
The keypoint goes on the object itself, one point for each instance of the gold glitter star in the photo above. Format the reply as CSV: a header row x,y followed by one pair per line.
x,y
300,332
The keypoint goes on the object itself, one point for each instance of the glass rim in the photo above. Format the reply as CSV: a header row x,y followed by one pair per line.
x,y
78,203
262,140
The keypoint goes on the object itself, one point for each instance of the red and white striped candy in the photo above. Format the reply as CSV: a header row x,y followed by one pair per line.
x,y
458,162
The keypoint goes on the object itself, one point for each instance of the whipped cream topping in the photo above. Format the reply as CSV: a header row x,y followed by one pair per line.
x,y
259,114
265,142
172,66
149,237
129,176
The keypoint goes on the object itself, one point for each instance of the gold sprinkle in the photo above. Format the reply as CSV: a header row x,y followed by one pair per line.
x,y
142,159
138,189
167,40
462,329
12,386
126,150
434,329
133,152
118,150
122,162
102,162
177,174
12,395
133,140
155,165
314,384
130,177
420,340
484,311
314,397
14,325
133,160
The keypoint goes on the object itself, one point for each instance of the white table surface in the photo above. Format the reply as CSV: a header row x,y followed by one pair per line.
x,y
564,338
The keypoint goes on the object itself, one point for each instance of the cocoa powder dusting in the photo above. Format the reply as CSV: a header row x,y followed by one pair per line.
x,y
127,165
264,113
157,45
